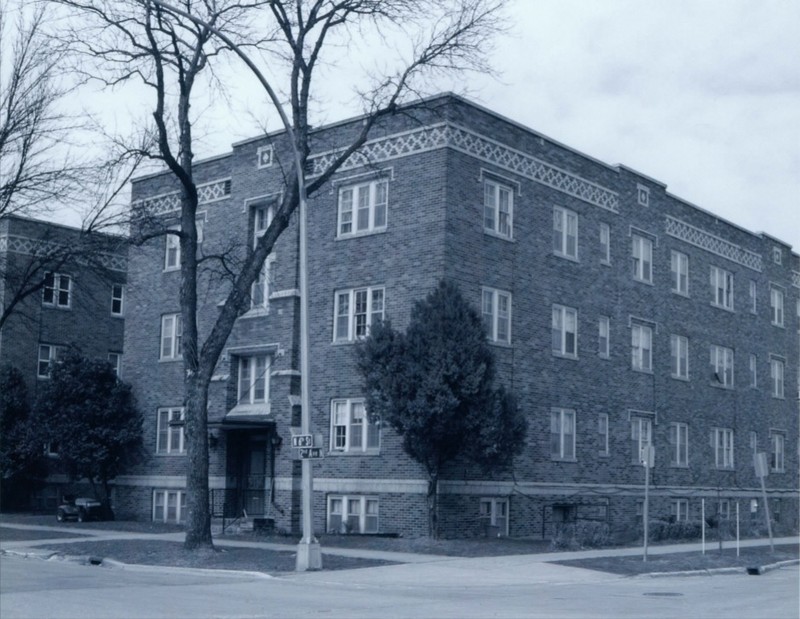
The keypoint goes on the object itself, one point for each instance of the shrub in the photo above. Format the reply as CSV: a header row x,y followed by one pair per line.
x,y
581,534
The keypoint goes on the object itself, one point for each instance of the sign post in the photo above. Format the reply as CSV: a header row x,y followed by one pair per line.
x,y
760,463
647,457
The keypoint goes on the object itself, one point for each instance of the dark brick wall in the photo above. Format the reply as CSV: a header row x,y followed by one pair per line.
x,y
435,230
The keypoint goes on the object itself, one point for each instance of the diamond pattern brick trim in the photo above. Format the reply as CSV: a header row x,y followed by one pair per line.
x,y
796,279
36,247
458,138
206,193
714,244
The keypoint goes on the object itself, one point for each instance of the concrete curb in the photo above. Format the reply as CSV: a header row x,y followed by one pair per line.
x,y
720,570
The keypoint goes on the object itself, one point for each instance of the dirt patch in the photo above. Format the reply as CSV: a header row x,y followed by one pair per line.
x,y
155,552
687,561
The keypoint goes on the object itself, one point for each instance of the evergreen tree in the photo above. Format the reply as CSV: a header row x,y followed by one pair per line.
x,y
434,384
91,414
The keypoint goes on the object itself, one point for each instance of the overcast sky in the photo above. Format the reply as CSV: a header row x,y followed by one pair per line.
x,y
702,95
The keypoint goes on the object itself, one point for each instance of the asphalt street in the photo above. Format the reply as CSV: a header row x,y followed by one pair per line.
x,y
465,588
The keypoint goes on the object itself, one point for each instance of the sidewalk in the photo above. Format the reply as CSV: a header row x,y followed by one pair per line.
x,y
384,555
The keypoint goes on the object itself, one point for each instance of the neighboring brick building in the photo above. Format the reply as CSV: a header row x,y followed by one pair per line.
x,y
81,304
618,312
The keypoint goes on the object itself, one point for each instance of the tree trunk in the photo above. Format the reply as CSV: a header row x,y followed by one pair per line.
x,y
198,520
433,506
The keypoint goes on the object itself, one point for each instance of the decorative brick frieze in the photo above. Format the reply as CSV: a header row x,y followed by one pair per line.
x,y
447,135
37,247
207,193
712,243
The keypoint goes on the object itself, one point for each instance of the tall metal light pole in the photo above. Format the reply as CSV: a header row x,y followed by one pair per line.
x,y
309,554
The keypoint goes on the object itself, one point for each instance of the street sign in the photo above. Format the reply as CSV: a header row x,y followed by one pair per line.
x,y
302,440
647,456
760,463
310,452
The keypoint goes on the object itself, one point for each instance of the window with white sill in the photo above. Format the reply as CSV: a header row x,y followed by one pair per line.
x,y
776,372
352,514
642,258
565,331
721,365
776,306
679,354
498,208
565,233
171,337
562,434
679,444
352,430
57,290
496,312
721,288
679,269
362,207
170,436
722,443
641,348
355,311
253,380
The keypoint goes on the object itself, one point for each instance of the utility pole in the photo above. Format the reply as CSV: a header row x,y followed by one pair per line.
x,y
309,554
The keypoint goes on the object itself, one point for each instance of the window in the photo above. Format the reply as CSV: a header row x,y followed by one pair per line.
x,y
776,306
172,257
562,434
602,432
264,157
643,195
776,367
722,441
604,337
115,359
753,296
605,244
170,436
642,255
169,506
679,268
641,348
721,288
351,428
679,510
641,436
262,218
259,290
494,516
753,371
498,208
565,331
679,351
679,444
57,289
48,355
171,336
356,310
777,442
565,233
352,514
117,299
722,365
497,315
253,384
362,208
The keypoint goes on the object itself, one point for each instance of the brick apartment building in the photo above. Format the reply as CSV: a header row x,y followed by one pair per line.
x,y
81,304
620,316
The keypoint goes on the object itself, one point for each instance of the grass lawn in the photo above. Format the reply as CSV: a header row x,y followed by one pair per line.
x,y
155,552
688,561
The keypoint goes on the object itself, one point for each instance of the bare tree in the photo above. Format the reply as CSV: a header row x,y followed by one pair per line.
x,y
170,50
36,170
